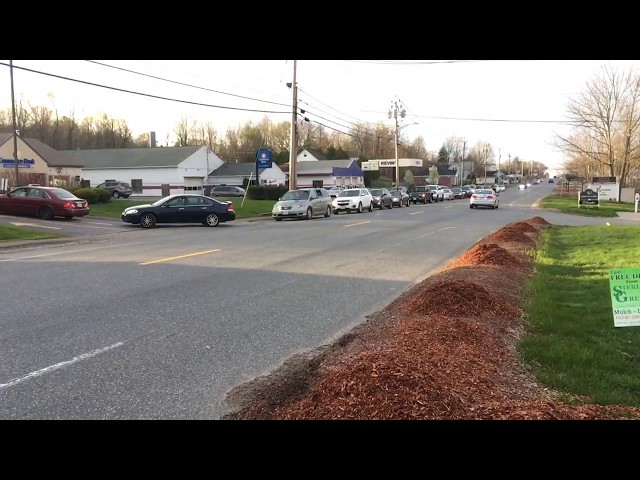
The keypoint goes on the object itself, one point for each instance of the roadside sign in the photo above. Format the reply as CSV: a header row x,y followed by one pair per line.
x,y
625,296
263,158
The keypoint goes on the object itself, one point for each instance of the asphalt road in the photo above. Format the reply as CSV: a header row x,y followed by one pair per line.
x,y
160,324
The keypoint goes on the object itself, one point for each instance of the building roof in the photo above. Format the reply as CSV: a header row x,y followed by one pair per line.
x,y
133,157
322,166
316,153
52,157
232,169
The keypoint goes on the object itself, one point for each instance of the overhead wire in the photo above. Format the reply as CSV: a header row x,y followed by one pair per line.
x,y
143,94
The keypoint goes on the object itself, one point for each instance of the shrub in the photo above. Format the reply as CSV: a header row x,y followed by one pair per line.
x,y
104,196
266,192
89,194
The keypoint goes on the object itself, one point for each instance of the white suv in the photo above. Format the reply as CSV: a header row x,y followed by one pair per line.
x,y
437,194
353,199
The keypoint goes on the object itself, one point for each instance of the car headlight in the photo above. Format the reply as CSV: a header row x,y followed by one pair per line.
x,y
129,212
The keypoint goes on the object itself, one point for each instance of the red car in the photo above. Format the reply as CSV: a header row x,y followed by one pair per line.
x,y
43,202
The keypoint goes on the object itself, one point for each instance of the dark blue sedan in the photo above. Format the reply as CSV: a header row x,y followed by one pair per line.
x,y
182,208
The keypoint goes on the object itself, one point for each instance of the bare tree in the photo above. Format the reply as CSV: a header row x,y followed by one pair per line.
x,y
606,116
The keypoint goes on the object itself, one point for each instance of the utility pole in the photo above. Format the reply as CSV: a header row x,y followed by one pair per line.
x,y
395,110
509,164
464,148
499,157
486,156
15,127
293,155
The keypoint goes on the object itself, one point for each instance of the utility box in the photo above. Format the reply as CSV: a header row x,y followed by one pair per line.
x,y
166,189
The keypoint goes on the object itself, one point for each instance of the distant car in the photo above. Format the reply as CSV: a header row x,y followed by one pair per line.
x,y
466,189
484,198
522,186
333,191
448,194
181,208
227,191
458,192
551,180
116,188
381,198
420,194
302,203
353,200
437,195
43,202
400,198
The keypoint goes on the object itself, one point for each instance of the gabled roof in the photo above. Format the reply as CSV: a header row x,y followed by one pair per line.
x,y
233,169
316,153
52,157
133,157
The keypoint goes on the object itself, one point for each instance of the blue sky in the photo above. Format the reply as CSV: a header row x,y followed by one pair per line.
x,y
511,104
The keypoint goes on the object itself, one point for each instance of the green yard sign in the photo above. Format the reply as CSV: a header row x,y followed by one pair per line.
x,y
625,296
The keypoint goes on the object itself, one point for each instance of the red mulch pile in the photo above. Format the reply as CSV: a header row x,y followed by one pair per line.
x,y
538,221
509,234
487,254
524,227
458,298
445,349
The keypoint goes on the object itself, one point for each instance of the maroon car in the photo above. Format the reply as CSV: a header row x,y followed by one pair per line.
x,y
43,202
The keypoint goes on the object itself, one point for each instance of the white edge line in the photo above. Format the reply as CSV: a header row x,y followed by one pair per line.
x,y
435,231
67,251
42,371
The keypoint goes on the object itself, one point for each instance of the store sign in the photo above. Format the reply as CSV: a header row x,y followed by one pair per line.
x,y
625,296
608,191
22,163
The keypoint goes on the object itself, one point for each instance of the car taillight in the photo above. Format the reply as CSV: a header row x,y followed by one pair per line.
x,y
230,207
474,196
68,205
489,196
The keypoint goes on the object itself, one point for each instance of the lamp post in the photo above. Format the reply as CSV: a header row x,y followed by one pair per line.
x,y
293,154
395,110
485,150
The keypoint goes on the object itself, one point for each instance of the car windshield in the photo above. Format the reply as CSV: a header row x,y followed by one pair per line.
x,y
376,192
296,195
62,193
396,193
350,193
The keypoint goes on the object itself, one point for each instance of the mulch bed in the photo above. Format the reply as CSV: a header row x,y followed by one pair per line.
x,y
443,350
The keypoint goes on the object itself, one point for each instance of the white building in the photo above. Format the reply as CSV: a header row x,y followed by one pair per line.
x,y
314,170
150,171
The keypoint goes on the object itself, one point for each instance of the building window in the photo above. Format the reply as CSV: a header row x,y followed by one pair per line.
x,y
136,185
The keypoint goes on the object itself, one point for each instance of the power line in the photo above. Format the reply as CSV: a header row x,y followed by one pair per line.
x,y
143,94
185,84
415,62
329,106
570,122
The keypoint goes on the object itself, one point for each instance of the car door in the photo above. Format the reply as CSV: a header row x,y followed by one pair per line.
x,y
195,210
14,204
322,201
173,211
35,199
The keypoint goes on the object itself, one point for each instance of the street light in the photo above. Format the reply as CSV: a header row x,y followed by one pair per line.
x,y
395,110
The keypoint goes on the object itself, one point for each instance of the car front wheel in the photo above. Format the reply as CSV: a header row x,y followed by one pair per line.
x,y
309,213
115,194
147,220
371,207
327,214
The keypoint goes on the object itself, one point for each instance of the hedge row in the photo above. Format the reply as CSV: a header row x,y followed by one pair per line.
x,y
91,195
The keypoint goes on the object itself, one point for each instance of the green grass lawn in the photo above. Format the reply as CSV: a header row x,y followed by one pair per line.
x,y
248,209
573,346
569,204
9,232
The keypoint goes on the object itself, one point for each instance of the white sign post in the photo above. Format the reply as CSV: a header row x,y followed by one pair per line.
x,y
637,201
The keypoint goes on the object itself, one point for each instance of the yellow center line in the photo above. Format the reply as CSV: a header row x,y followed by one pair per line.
x,y
180,256
415,213
361,223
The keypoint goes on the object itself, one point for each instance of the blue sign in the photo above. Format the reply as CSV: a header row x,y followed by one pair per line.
x,y
22,163
263,158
